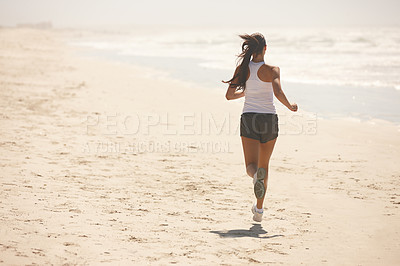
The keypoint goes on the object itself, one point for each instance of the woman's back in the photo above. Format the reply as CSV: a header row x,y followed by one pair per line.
x,y
259,95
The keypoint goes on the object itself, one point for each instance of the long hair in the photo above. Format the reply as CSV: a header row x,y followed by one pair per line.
x,y
252,44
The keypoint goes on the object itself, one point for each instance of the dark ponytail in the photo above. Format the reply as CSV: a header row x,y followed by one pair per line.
x,y
252,44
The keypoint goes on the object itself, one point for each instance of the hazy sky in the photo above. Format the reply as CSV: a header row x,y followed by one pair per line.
x,y
201,12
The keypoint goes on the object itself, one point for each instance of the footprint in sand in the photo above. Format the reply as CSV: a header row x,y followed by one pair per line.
x,y
68,244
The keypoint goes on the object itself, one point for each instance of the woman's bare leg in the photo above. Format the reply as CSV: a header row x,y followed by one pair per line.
x,y
250,151
265,152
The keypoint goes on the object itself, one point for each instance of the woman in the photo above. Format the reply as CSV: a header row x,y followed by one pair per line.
x,y
257,82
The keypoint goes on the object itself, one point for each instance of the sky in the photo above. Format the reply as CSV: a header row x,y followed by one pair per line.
x,y
76,13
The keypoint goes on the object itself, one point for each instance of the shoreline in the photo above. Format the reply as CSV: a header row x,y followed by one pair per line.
x,y
332,192
359,102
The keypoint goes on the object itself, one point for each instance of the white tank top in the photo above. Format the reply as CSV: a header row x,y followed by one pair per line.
x,y
259,95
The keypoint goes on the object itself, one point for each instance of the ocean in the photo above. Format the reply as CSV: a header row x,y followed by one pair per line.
x,y
342,72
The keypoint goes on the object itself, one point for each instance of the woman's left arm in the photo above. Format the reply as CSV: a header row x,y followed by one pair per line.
x,y
232,93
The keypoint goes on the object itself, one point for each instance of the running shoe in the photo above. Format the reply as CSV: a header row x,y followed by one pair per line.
x,y
257,217
258,181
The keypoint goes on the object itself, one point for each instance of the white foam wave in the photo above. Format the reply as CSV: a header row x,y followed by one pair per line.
x,y
354,56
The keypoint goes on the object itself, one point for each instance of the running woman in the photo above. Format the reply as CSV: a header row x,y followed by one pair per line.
x,y
258,83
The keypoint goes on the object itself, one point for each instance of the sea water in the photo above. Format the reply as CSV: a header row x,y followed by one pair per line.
x,y
333,72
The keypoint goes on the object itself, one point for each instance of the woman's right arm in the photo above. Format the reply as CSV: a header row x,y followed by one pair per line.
x,y
279,94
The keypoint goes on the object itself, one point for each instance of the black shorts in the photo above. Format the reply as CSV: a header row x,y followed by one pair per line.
x,y
259,126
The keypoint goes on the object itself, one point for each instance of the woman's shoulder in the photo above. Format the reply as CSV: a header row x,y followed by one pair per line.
x,y
270,67
270,70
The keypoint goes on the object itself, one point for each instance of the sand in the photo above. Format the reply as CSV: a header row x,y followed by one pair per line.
x,y
105,162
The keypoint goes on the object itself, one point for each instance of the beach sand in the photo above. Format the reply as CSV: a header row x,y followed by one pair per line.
x,y
105,162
